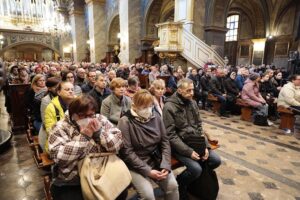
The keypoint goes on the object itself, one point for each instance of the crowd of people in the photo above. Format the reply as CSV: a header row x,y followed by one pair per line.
x,y
77,106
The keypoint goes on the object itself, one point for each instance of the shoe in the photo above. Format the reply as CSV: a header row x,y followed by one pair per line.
x,y
225,115
287,131
270,123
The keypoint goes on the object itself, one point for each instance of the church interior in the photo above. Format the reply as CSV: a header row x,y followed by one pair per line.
x,y
240,57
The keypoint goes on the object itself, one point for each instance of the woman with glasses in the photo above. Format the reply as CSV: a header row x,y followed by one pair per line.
x,y
79,133
116,104
146,149
56,109
70,77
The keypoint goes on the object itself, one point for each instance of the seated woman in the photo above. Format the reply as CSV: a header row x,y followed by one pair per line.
x,y
146,148
70,77
252,96
71,140
233,93
116,104
158,89
33,99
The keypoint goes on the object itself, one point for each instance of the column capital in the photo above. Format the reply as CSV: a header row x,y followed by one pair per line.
x,y
95,1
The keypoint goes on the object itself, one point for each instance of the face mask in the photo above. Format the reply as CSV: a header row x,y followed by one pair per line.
x,y
83,123
145,113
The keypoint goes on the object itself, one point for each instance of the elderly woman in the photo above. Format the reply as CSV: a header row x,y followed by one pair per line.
x,y
146,148
116,104
158,89
71,139
70,77
252,96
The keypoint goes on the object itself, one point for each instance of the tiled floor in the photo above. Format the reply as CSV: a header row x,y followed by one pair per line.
x,y
259,163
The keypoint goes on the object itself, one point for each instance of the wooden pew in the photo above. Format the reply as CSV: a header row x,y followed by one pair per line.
x,y
17,94
144,81
246,110
287,118
215,102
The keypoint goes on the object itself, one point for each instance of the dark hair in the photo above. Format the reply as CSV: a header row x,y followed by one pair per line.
x,y
293,77
132,81
82,104
64,75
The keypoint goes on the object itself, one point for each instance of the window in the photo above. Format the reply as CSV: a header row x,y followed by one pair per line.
x,y
232,25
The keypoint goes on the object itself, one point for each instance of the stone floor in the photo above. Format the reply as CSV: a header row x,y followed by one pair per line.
x,y
259,163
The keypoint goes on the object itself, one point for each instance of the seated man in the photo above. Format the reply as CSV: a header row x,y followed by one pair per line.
x,y
218,90
181,118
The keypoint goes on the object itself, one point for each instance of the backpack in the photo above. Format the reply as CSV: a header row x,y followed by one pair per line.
x,y
206,187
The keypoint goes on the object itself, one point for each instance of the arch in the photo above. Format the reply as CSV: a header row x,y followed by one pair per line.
x,y
113,30
29,42
282,13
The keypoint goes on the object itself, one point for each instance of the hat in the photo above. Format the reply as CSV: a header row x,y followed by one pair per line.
x,y
52,81
254,76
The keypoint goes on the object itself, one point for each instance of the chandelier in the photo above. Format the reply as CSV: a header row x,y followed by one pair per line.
x,y
33,15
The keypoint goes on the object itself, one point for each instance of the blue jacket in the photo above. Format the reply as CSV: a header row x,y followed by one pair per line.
x,y
240,80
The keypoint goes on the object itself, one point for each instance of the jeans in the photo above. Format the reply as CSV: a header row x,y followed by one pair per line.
x,y
194,170
144,187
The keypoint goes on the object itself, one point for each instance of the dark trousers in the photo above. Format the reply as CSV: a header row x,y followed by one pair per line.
x,y
223,102
296,110
194,170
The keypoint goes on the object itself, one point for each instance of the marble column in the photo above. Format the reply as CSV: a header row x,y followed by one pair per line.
x,y
215,37
78,34
97,29
130,30
184,12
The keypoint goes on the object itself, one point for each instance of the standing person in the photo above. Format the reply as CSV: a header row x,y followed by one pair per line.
x,y
116,104
71,140
182,119
146,148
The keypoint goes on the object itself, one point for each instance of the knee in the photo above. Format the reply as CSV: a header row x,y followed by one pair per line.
x,y
172,186
214,160
147,195
195,170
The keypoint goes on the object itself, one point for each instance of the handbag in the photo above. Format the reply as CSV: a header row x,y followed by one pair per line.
x,y
206,187
103,176
196,142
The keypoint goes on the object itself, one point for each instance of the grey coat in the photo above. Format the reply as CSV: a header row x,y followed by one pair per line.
x,y
181,117
140,140
112,107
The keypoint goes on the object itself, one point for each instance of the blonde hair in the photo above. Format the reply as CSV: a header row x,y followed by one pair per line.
x,y
116,83
158,83
36,78
142,98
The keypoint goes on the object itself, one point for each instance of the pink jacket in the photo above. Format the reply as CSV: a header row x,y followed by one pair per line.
x,y
251,94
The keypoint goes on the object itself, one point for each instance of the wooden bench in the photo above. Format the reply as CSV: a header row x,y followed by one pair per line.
x,y
215,102
246,110
144,81
41,158
287,118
